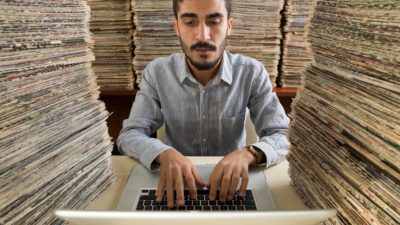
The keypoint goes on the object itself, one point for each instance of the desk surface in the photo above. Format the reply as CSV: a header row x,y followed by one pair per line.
x,y
277,178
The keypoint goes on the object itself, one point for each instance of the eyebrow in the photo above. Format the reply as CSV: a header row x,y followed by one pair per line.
x,y
188,15
213,15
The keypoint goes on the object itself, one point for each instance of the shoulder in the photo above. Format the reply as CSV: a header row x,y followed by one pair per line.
x,y
245,63
166,62
163,67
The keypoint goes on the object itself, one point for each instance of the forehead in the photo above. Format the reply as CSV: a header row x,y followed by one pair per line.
x,y
202,7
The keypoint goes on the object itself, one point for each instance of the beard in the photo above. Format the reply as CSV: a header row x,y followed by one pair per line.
x,y
204,65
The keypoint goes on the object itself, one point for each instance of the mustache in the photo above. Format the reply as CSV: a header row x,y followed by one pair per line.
x,y
203,45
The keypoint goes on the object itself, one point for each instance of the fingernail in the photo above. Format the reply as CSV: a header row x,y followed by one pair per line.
x,y
193,197
212,198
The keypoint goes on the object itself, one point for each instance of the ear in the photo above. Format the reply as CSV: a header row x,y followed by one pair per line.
x,y
175,22
230,25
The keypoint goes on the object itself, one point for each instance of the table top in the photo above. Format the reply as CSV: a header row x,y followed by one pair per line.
x,y
278,180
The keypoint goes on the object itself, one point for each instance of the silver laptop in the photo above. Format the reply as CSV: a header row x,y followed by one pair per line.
x,y
137,205
139,193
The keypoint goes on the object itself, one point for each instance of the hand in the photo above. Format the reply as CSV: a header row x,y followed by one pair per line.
x,y
175,169
227,173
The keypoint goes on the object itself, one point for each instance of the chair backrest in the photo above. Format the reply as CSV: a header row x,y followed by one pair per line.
x,y
249,126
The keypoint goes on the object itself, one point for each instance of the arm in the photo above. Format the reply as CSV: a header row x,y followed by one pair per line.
x,y
144,120
270,120
134,140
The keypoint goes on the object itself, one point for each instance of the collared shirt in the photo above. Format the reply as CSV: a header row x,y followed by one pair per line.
x,y
204,120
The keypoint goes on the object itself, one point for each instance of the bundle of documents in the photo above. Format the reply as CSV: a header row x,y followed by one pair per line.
x,y
296,54
154,34
112,28
256,32
345,133
54,145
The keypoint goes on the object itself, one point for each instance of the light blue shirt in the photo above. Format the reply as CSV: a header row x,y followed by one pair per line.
x,y
204,120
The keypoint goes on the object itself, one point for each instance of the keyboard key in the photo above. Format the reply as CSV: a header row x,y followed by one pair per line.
x,y
189,207
229,202
145,191
188,202
181,207
147,197
215,208
147,202
139,207
232,208
250,207
148,208
152,192
237,202
240,207
204,202
156,208
248,203
200,197
197,207
221,203
141,202
196,202
213,202
206,208
155,203
223,207
164,208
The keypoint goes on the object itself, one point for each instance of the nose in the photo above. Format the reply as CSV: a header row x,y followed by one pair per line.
x,y
203,33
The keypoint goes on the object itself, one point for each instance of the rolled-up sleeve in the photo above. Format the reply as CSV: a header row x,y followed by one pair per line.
x,y
270,120
144,120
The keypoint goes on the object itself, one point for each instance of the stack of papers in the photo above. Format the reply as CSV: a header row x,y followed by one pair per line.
x,y
256,32
112,28
296,52
345,133
54,145
154,34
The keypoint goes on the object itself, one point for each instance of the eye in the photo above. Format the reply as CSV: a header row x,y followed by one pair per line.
x,y
189,21
214,21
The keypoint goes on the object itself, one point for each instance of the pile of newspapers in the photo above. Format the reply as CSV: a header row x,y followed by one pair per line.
x,y
256,32
54,145
345,133
154,34
296,53
112,28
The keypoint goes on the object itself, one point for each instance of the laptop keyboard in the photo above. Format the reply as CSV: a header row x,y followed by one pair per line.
x,y
147,202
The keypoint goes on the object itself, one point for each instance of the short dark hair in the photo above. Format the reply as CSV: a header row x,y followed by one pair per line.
x,y
175,6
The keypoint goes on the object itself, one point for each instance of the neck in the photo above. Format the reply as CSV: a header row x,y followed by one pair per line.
x,y
204,76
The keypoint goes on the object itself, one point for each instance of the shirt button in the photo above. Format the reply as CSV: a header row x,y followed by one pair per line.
x,y
204,140
204,117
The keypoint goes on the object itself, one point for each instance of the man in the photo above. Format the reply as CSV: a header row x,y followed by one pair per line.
x,y
202,96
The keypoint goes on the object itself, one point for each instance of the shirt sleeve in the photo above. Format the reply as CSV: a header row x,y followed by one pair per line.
x,y
269,118
144,120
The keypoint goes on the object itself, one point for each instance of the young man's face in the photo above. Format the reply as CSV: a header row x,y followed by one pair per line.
x,y
202,27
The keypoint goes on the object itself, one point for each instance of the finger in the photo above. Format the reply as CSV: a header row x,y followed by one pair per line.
x,y
197,177
213,182
170,192
234,183
179,189
225,184
190,180
245,181
161,187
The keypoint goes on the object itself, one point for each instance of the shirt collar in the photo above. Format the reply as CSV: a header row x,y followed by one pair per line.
x,y
224,72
